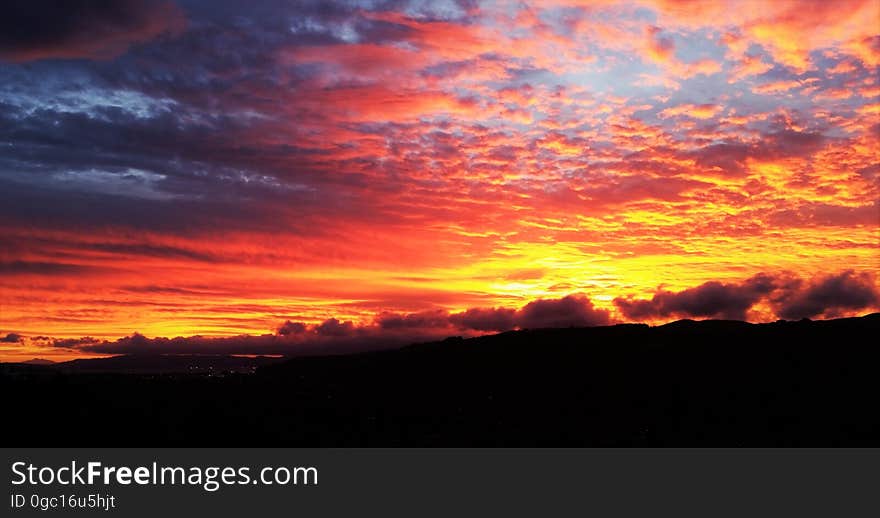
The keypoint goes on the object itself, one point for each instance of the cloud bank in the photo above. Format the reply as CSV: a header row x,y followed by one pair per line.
x,y
844,294
790,298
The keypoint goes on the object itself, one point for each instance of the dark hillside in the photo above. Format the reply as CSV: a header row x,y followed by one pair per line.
x,y
713,383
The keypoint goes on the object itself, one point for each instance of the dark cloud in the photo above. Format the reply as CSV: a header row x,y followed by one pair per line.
x,y
74,343
789,296
291,328
711,299
334,336
570,311
96,29
485,319
152,251
826,214
347,338
830,295
333,327
789,143
180,171
729,158
422,320
871,172
11,338
42,268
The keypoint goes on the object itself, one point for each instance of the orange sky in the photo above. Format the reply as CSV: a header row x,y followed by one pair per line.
x,y
215,171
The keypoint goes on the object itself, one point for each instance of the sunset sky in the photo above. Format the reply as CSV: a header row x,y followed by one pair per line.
x,y
313,174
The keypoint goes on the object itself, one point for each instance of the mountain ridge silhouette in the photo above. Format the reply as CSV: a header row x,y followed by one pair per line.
x,y
698,383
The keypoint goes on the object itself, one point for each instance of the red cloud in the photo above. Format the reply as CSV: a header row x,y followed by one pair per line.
x,y
788,30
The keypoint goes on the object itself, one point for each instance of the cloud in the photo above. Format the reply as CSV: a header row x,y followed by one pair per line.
x,y
727,157
789,143
298,158
827,215
291,328
94,29
11,338
485,319
789,297
424,319
747,66
660,49
323,339
75,343
569,311
788,31
711,299
831,295
333,327
19,268
697,111
777,87
335,336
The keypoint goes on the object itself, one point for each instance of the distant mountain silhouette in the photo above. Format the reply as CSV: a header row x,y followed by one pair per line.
x,y
167,364
38,361
709,383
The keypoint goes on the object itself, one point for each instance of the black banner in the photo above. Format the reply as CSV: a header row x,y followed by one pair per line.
x,y
440,482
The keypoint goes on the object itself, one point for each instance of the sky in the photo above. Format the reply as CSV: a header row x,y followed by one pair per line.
x,y
273,177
